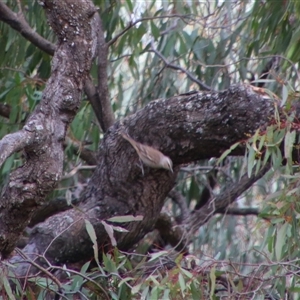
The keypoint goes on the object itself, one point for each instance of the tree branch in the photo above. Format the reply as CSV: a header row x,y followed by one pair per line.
x,y
178,198
201,84
132,24
238,211
45,129
17,22
221,202
106,112
85,154
15,142
171,234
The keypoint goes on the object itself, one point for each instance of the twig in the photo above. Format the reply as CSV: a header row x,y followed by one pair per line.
x,y
85,154
83,276
20,7
131,24
238,211
178,198
76,169
227,197
27,259
175,67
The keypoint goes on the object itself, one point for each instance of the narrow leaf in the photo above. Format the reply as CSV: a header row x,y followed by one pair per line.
x,y
251,161
110,231
181,283
226,153
158,254
212,277
280,240
91,231
124,219
289,141
285,94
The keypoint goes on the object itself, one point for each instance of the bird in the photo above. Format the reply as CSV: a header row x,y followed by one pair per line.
x,y
151,157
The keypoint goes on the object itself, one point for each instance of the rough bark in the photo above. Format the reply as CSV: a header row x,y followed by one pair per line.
x,y
44,132
187,128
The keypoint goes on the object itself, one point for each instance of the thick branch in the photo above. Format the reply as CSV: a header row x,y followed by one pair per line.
x,y
29,185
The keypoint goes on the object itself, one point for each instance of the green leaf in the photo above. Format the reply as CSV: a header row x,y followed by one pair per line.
x,y
154,293
280,240
166,294
119,228
7,287
261,142
77,283
91,231
157,254
145,293
130,6
154,30
196,292
250,161
227,152
181,283
110,231
109,264
124,219
276,158
258,166
212,277
85,267
135,289
125,280
289,141
186,273
285,94
266,156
